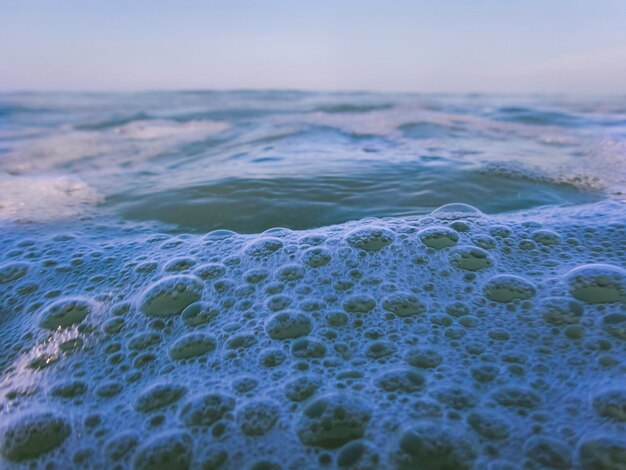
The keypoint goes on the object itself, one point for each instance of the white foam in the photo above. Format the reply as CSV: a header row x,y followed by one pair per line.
x,y
44,198
105,149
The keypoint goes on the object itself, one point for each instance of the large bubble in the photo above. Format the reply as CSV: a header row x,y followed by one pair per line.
x,y
170,295
597,283
333,420
32,434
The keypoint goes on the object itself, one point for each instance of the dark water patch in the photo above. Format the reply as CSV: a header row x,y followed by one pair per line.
x,y
252,205
537,117
348,108
228,114
428,130
11,110
115,121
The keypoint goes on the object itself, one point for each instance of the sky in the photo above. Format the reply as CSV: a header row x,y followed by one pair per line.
x,y
498,46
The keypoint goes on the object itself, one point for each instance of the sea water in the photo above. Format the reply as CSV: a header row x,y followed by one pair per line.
x,y
303,280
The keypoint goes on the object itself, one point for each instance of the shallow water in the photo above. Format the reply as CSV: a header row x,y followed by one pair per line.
x,y
264,278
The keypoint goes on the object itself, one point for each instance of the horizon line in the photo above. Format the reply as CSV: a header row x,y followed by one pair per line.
x,y
338,91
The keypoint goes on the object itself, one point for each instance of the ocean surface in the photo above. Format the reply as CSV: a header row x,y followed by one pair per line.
x,y
282,279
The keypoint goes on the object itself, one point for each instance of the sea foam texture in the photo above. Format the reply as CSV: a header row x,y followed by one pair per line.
x,y
449,341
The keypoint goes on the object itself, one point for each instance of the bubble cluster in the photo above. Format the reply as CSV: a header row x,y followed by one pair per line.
x,y
454,340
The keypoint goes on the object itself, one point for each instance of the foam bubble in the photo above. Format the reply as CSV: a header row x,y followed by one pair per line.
x,y
316,257
470,258
517,396
302,387
257,417
401,380
121,445
561,310
438,237
489,424
359,303
263,247
456,211
288,325
359,454
333,420
204,410
10,272
598,283
370,238
615,325
508,287
159,395
548,452
192,345
611,404
602,452
432,445
65,312
170,295
403,304
171,449
33,434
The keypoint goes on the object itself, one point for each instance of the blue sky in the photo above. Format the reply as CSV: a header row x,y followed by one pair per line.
x,y
425,46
